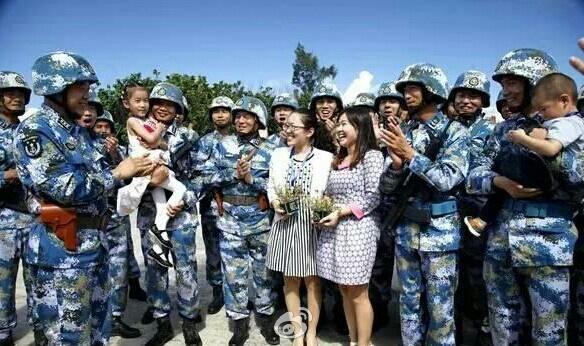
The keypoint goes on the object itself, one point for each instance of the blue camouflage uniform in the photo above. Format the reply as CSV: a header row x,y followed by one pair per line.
x,y
202,153
15,226
426,253
531,243
244,227
182,232
56,161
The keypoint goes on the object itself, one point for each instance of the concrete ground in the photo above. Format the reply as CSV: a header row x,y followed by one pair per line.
x,y
214,330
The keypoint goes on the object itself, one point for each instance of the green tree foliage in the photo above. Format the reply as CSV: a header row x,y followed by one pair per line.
x,y
307,72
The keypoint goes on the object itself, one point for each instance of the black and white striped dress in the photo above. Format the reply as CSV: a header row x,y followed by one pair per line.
x,y
293,239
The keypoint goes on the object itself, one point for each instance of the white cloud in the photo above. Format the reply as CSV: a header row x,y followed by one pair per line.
x,y
361,84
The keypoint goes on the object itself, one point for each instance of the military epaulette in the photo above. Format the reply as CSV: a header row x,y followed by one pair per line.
x,y
437,123
4,125
65,124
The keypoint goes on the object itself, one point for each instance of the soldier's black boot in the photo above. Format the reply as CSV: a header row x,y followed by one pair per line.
x,y
7,341
266,324
240,332
39,337
190,333
217,302
119,328
164,333
148,316
136,292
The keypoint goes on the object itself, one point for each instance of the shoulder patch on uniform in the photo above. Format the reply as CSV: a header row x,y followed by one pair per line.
x,y
3,124
70,145
67,126
32,146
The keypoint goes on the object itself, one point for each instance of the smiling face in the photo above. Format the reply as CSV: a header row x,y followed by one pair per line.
x,y
345,131
103,128
326,107
467,102
136,102
221,117
77,97
513,91
245,123
163,110
12,100
297,134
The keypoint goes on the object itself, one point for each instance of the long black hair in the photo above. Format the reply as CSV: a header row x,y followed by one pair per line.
x,y
321,139
360,119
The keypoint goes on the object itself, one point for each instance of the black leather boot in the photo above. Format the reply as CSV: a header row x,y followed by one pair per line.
x,y
266,324
164,333
136,292
119,328
8,341
217,302
240,332
148,316
190,333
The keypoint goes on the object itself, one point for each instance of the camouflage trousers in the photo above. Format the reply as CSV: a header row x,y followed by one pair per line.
x,y
117,257
183,241
12,245
382,273
237,255
511,290
71,305
428,281
133,266
211,239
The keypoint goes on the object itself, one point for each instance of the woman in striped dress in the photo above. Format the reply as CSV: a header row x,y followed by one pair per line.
x,y
292,242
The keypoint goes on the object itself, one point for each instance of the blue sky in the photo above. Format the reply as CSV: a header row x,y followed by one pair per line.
x,y
254,41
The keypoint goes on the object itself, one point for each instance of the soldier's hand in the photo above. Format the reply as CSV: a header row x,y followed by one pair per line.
x,y
577,63
133,167
516,136
329,124
111,145
398,143
514,189
397,163
11,176
172,211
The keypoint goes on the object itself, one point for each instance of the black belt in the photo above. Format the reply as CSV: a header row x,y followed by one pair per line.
x,y
93,222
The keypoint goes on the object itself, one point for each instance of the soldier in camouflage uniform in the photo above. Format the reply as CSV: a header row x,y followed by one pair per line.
x,y
239,176
427,235
118,229
181,228
388,105
220,115
283,105
502,106
576,336
531,243
470,95
58,164
15,218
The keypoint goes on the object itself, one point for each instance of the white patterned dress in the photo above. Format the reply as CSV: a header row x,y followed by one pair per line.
x,y
345,254
292,243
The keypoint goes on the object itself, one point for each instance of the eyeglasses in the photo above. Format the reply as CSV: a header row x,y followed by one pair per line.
x,y
291,127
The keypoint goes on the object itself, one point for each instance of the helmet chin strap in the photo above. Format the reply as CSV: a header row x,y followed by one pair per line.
x,y
467,118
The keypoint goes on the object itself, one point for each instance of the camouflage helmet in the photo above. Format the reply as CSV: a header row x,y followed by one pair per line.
x,y
388,90
473,80
364,99
431,77
169,92
326,88
54,72
500,101
107,116
284,99
95,101
254,106
581,97
221,102
531,64
13,80
186,107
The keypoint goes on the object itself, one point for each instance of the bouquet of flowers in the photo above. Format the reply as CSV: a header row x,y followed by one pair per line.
x,y
321,206
290,198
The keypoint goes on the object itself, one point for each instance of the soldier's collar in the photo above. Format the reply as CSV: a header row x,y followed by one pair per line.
x,y
58,117
434,122
4,122
172,128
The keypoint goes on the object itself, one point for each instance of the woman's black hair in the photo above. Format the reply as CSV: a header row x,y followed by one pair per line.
x,y
360,119
321,139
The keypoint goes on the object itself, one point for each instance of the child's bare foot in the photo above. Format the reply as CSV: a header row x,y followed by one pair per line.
x,y
475,225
